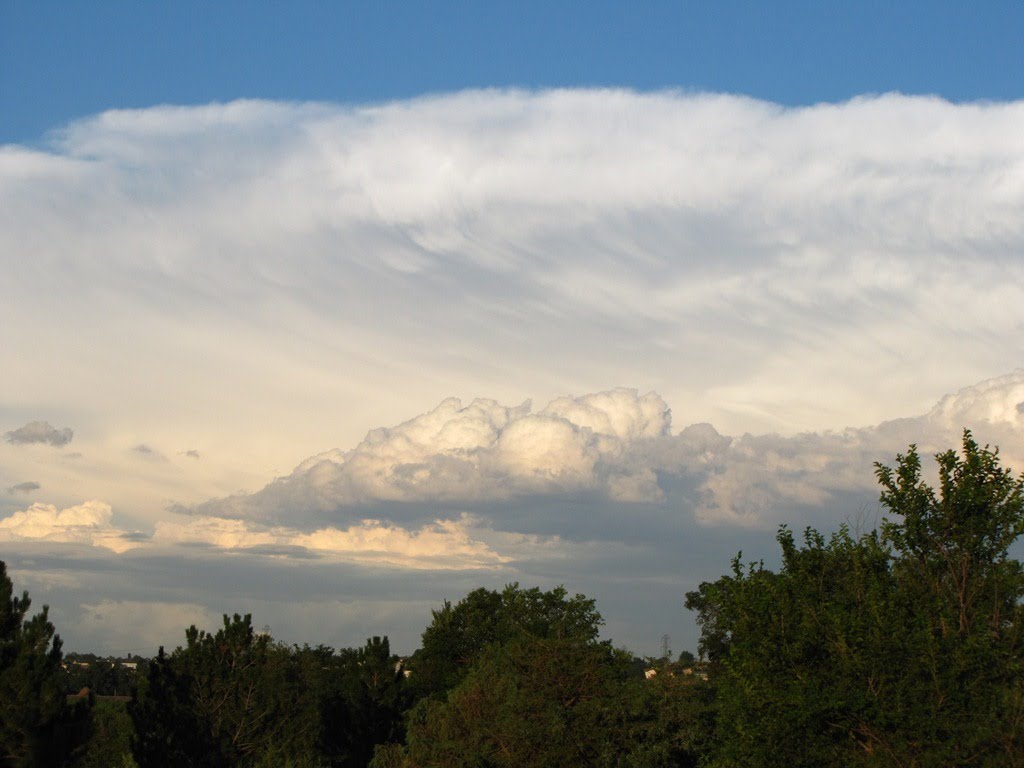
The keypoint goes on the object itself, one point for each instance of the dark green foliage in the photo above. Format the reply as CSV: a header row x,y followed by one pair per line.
x,y
103,677
367,704
534,687
459,634
225,699
236,698
670,720
36,726
110,741
894,648
530,702
962,594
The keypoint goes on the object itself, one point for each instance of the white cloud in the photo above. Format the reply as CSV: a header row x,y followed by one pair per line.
x,y
86,523
294,274
715,494
617,448
277,279
759,477
480,452
442,545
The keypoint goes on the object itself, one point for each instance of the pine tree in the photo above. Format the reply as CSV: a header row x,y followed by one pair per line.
x,y
34,728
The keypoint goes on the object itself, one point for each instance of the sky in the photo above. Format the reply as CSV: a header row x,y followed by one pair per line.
x,y
334,312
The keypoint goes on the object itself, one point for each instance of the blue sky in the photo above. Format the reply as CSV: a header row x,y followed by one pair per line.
x,y
62,60
329,312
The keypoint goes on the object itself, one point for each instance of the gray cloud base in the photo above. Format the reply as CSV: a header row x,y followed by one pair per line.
x,y
40,432
26,487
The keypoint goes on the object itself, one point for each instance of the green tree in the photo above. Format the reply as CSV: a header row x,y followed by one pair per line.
x,y
961,594
459,634
367,704
35,726
109,744
529,702
228,698
899,647
533,686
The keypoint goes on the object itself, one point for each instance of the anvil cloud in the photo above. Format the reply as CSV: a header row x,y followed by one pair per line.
x,y
308,339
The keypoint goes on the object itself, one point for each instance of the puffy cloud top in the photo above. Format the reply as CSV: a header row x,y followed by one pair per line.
x,y
86,523
617,447
995,401
480,452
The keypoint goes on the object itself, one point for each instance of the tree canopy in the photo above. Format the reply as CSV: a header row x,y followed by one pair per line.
x,y
896,647
458,634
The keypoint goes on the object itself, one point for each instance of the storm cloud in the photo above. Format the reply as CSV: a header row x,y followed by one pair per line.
x,y
398,311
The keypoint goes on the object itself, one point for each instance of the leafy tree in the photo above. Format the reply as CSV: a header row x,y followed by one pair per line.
x,y
899,647
962,597
35,726
459,634
535,687
529,702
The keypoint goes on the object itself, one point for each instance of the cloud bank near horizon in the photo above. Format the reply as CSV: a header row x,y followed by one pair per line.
x,y
617,447
597,491
441,477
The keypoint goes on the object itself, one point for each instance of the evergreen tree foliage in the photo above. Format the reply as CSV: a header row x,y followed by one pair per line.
x,y
36,728
367,703
230,698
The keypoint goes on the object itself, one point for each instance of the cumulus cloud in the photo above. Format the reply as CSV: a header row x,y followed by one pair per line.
x,y
444,544
483,451
26,487
617,447
759,476
87,523
715,494
40,432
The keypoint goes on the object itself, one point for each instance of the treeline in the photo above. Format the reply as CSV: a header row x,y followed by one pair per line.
x,y
900,646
